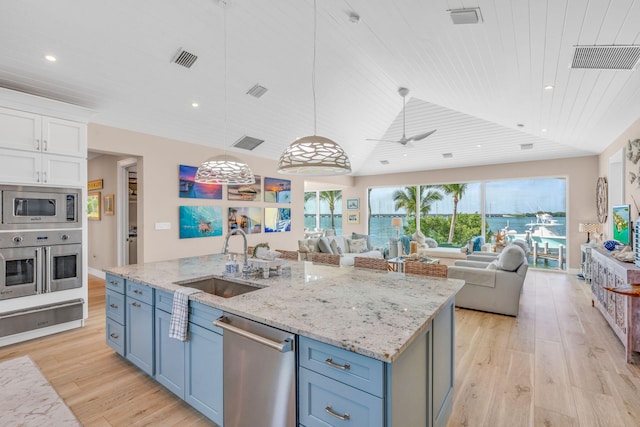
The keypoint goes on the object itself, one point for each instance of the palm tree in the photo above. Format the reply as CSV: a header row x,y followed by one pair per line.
x,y
406,199
331,197
456,191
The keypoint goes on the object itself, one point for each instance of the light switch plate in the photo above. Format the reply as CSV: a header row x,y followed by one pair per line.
x,y
163,226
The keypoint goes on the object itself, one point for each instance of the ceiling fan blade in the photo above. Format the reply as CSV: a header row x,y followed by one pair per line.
x,y
422,136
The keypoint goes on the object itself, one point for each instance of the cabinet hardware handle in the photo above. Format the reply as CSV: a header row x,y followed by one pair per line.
x,y
44,145
37,176
114,306
136,291
344,417
135,304
114,283
115,336
331,363
37,144
44,176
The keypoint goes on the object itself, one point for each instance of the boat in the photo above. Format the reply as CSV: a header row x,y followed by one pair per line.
x,y
541,231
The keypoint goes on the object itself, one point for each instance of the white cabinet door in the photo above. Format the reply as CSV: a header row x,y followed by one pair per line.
x,y
20,130
64,137
20,167
63,170
24,167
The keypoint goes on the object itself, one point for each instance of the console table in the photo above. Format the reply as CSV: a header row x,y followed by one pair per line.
x,y
622,312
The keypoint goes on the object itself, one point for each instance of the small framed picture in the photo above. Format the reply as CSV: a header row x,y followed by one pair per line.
x,y
353,218
108,204
93,206
353,204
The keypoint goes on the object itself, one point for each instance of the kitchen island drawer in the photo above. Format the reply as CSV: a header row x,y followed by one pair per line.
x,y
115,306
324,401
115,336
164,301
345,366
203,315
142,293
115,283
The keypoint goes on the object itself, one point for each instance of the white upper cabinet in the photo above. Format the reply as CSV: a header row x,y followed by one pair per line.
x,y
31,132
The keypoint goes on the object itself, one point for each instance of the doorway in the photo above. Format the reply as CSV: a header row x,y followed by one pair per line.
x,y
128,191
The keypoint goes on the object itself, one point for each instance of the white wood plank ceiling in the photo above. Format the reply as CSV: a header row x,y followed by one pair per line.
x,y
474,83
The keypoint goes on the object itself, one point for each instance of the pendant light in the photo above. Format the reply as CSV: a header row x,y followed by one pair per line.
x,y
314,155
224,169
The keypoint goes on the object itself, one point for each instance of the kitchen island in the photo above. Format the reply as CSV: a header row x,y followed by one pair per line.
x,y
404,323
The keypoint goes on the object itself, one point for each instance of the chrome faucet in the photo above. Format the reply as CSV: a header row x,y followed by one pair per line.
x,y
246,270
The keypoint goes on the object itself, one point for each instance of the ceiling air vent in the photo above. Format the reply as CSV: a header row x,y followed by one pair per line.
x,y
248,143
466,16
606,57
384,162
184,58
257,91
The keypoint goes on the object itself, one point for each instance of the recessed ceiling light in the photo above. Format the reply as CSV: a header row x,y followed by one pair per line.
x,y
479,146
50,58
520,125
354,18
384,162
526,146
447,155
405,155
548,87
195,104
544,130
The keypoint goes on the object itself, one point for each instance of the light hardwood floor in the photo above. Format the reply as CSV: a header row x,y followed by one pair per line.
x,y
557,364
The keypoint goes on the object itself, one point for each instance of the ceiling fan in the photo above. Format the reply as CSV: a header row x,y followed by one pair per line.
x,y
403,91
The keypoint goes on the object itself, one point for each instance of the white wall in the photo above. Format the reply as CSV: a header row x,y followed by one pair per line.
x,y
159,199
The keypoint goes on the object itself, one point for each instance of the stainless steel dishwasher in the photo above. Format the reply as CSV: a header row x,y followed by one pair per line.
x,y
259,374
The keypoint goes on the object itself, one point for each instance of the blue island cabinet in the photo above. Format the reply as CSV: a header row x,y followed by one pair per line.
x,y
139,326
338,387
191,369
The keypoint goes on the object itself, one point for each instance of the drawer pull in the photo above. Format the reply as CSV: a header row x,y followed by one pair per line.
x,y
136,291
135,304
344,367
114,283
115,336
344,417
114,306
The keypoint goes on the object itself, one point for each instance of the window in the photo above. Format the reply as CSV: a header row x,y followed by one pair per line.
x,y
323,209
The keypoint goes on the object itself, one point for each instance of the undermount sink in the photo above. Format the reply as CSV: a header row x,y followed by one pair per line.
x,y
220,287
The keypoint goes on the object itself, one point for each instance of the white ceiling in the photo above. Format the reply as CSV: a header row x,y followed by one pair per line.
x,y
474,83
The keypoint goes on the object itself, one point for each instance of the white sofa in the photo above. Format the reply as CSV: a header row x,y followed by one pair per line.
x,y
307,246
494,287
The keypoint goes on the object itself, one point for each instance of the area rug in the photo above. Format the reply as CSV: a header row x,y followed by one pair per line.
x,y
27,398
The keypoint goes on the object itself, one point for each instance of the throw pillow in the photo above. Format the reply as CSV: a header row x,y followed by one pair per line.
x,y
361,236
430,242
313,245
335,248
324,245
493,265
522,243
302,246
511,258
418,237
358,246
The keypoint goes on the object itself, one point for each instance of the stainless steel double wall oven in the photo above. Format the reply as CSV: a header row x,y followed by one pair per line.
x,y
40,240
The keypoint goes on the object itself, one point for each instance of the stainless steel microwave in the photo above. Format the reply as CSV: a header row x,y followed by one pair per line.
x,y
26,207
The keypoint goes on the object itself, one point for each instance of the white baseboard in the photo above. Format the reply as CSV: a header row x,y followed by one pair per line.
x,y
95,272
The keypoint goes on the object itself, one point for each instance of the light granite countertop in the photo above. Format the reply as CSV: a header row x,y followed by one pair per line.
x,y
374,313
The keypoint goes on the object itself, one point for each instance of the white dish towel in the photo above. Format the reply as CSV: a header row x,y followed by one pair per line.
x,y
180,313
